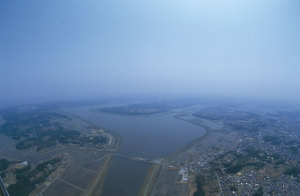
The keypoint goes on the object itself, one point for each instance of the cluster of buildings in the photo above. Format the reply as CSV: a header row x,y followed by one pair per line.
x,y
251,179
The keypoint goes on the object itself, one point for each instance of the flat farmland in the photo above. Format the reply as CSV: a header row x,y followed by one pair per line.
x,y
78,176
80,170
62,188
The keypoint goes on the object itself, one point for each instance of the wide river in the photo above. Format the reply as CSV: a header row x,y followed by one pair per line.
x,y
151,137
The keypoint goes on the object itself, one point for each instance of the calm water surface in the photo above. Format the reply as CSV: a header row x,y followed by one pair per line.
x,y
142,136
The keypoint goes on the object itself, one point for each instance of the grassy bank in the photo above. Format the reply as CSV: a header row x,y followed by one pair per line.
x,y
150,179
96,187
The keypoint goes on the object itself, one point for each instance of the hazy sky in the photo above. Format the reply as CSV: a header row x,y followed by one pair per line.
x,y
61,49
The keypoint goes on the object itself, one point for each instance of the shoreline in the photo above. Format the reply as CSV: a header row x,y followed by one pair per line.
x,y
154,170
208,132
131,115
96,187
149,182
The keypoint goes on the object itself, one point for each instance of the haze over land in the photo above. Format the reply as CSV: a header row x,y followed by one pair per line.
x,y
151,97
51,50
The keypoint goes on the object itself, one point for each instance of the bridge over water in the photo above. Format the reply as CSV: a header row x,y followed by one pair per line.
x,y
144,160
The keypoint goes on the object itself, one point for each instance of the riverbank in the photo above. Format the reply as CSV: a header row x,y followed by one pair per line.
x,y
155,170
96,187
138,136
208,132
150,179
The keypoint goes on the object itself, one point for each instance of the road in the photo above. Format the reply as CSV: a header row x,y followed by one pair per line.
x,y
155,161
3,188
